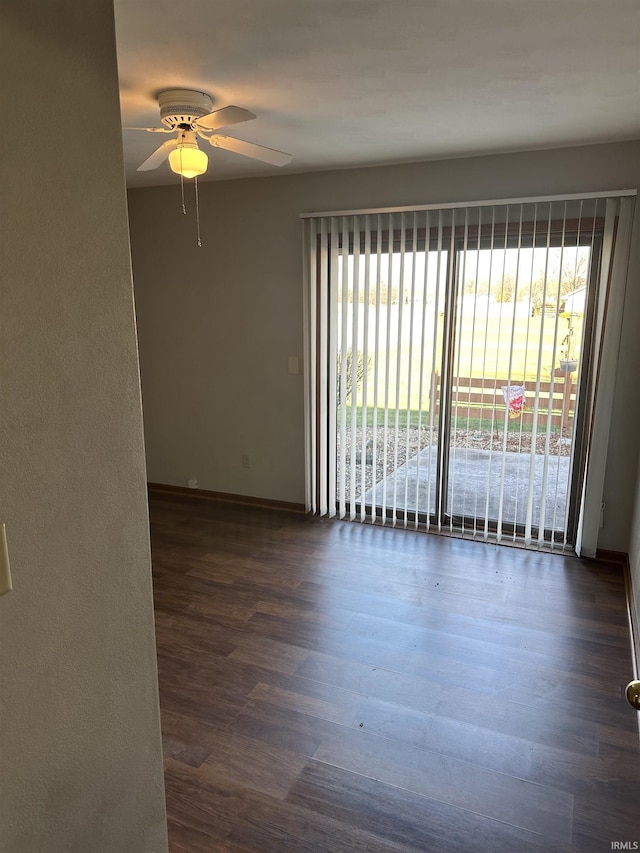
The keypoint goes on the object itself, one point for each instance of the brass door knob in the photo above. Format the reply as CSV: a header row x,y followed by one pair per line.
x,y
633,694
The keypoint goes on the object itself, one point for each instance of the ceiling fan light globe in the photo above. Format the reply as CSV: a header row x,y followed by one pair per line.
x,y
188,161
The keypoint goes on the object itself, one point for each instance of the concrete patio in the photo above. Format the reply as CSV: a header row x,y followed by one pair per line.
x,y
473,475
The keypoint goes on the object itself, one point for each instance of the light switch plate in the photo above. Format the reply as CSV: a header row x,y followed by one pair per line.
x,y
5,569
293,364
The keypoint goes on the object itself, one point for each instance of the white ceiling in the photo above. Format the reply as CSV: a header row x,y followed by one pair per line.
x,y
340,83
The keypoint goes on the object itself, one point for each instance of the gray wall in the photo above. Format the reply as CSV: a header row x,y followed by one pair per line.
x,y
633,288
80,759
216,324
634,560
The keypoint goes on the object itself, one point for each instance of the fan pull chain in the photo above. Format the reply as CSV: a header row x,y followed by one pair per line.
x,y
184,209
195,181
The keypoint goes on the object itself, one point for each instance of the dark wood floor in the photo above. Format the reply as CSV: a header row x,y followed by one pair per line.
x,y
327,686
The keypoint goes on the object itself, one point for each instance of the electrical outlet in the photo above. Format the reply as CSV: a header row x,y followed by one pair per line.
x,y
602,506
193,484
293,364
246,460
5,569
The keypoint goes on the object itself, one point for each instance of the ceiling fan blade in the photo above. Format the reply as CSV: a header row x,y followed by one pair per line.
x,y
250,149
158,155
224,117
150,129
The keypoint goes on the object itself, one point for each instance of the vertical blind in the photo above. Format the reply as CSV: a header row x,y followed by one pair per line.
x,y
459,370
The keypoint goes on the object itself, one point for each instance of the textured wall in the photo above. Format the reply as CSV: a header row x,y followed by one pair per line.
x,y
634,555
628,376
217,324
80,760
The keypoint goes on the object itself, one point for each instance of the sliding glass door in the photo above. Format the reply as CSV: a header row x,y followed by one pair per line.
x,y
513,420
453,354
390,317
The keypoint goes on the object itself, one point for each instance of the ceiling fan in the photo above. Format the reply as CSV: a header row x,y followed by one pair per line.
x,y
189,114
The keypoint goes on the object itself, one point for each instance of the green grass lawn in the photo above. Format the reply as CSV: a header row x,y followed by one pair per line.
x,y
494,348
413,418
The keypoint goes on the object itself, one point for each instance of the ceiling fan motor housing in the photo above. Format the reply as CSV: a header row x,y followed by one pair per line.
x,y
180,108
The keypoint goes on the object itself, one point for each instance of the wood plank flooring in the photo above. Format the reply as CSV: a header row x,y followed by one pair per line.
x,y
328,686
